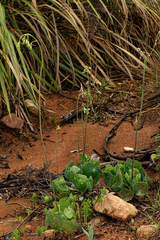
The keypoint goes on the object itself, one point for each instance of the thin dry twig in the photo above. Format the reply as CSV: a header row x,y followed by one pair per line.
x,y
13,203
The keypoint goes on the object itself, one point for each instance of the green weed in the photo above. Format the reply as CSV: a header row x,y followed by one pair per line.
x,y
41,230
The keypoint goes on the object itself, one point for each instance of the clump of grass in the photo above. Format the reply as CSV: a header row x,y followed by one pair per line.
x,y
102,34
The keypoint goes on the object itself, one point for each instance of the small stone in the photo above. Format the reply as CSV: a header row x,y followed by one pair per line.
x,y
146,231
32,107
48,235
97,222
115,207
28,228
14,122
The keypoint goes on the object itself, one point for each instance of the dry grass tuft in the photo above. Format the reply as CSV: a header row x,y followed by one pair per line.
x,y
104,35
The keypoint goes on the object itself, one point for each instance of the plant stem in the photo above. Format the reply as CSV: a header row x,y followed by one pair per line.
x,y
78,123
85,134
56,151
140,113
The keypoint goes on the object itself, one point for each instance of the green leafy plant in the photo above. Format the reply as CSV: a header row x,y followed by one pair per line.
x,y
35,219
41,230
60,187
86,209
23,229
33,200
16,234
103,192
85,174
19,219
73,209
81,182
119,178
46,198
28,211
62,220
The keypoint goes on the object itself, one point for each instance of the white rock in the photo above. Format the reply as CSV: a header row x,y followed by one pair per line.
x,y
146,231
115,207
48,235
128,149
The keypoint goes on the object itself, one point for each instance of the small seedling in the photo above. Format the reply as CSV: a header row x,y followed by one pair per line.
x,y
45,210
16,234
33,200
35,219
28,211
100,199
19,219
41,230
86,209
103,192
53,118
23,229
58,128
133,223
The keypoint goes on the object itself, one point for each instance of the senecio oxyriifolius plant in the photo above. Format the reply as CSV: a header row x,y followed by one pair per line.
x,y
82,176
72,204
119,178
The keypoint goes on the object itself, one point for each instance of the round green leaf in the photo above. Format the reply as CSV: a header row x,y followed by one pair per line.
x,y
69,212
108,179
111,169
126,194
140,188
64,203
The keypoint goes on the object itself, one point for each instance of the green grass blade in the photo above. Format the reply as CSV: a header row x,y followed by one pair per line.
x,y
4,90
